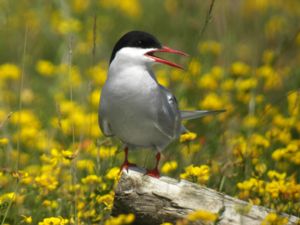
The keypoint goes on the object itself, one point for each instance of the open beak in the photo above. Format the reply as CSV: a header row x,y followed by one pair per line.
x,y
164,61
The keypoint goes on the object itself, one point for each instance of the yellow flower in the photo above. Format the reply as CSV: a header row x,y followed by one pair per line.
x,y
107,152
121,219
207,81
107,199
201,173
194,67
3,141
47,181
91,179
228,85
11,196
190,136
274,219
113,173
210,47
250,121
94,98
246,84
54,221
274,175
129,8
259,140
27,219
211,101
70,25
50,204
202,215
169,166
294,103
240,69
9,71
162,78
86,164
80,5
98,74
45,68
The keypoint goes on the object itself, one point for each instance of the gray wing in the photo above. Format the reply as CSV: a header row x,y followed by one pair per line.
x,y
102,118
168,120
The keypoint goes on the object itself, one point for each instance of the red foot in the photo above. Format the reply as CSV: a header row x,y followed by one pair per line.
x,y
153,173
126,165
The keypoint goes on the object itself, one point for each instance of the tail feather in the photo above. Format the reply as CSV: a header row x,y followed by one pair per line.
x,y
189,115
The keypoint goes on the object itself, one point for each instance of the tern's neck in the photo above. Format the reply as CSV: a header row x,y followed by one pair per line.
x,y
122,69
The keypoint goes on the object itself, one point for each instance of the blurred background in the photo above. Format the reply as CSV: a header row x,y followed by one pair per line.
x,y
55,165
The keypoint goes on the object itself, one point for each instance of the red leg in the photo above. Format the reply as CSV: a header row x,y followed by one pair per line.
x,y
126,164
154,172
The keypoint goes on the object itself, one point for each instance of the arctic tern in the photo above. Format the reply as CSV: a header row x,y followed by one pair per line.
x,y
134,107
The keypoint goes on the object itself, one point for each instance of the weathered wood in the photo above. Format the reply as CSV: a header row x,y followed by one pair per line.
x,y
154,201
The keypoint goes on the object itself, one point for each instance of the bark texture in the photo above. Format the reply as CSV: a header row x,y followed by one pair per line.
x,y
154,201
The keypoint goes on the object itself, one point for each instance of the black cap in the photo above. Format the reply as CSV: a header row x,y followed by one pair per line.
x,y
138,39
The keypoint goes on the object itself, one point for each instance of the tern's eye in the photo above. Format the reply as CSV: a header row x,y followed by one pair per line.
x,y
139,42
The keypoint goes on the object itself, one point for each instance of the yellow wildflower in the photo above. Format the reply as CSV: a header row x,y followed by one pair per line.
x,y
106,152
274,175
207,81
200,173
228,85
80,5
11,196
210,47
50,204
54,221
47,181
91,179
246,84
9,71
94,98
107,199
294,103
120,220
169,166
240,69
131,8
250,121
70,25
274,219
3,141
45,68
27,219
190,136
202,215
211,101
98,74
86,164
194,67
113,173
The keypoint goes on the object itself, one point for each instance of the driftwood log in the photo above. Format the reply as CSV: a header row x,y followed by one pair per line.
x,y
154,201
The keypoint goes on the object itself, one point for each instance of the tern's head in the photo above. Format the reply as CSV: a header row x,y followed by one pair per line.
x,y
138,47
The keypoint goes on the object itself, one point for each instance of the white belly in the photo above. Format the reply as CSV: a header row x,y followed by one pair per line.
x,y
131,109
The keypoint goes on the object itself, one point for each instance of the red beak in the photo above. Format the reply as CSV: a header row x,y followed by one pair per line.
x,y
164,61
